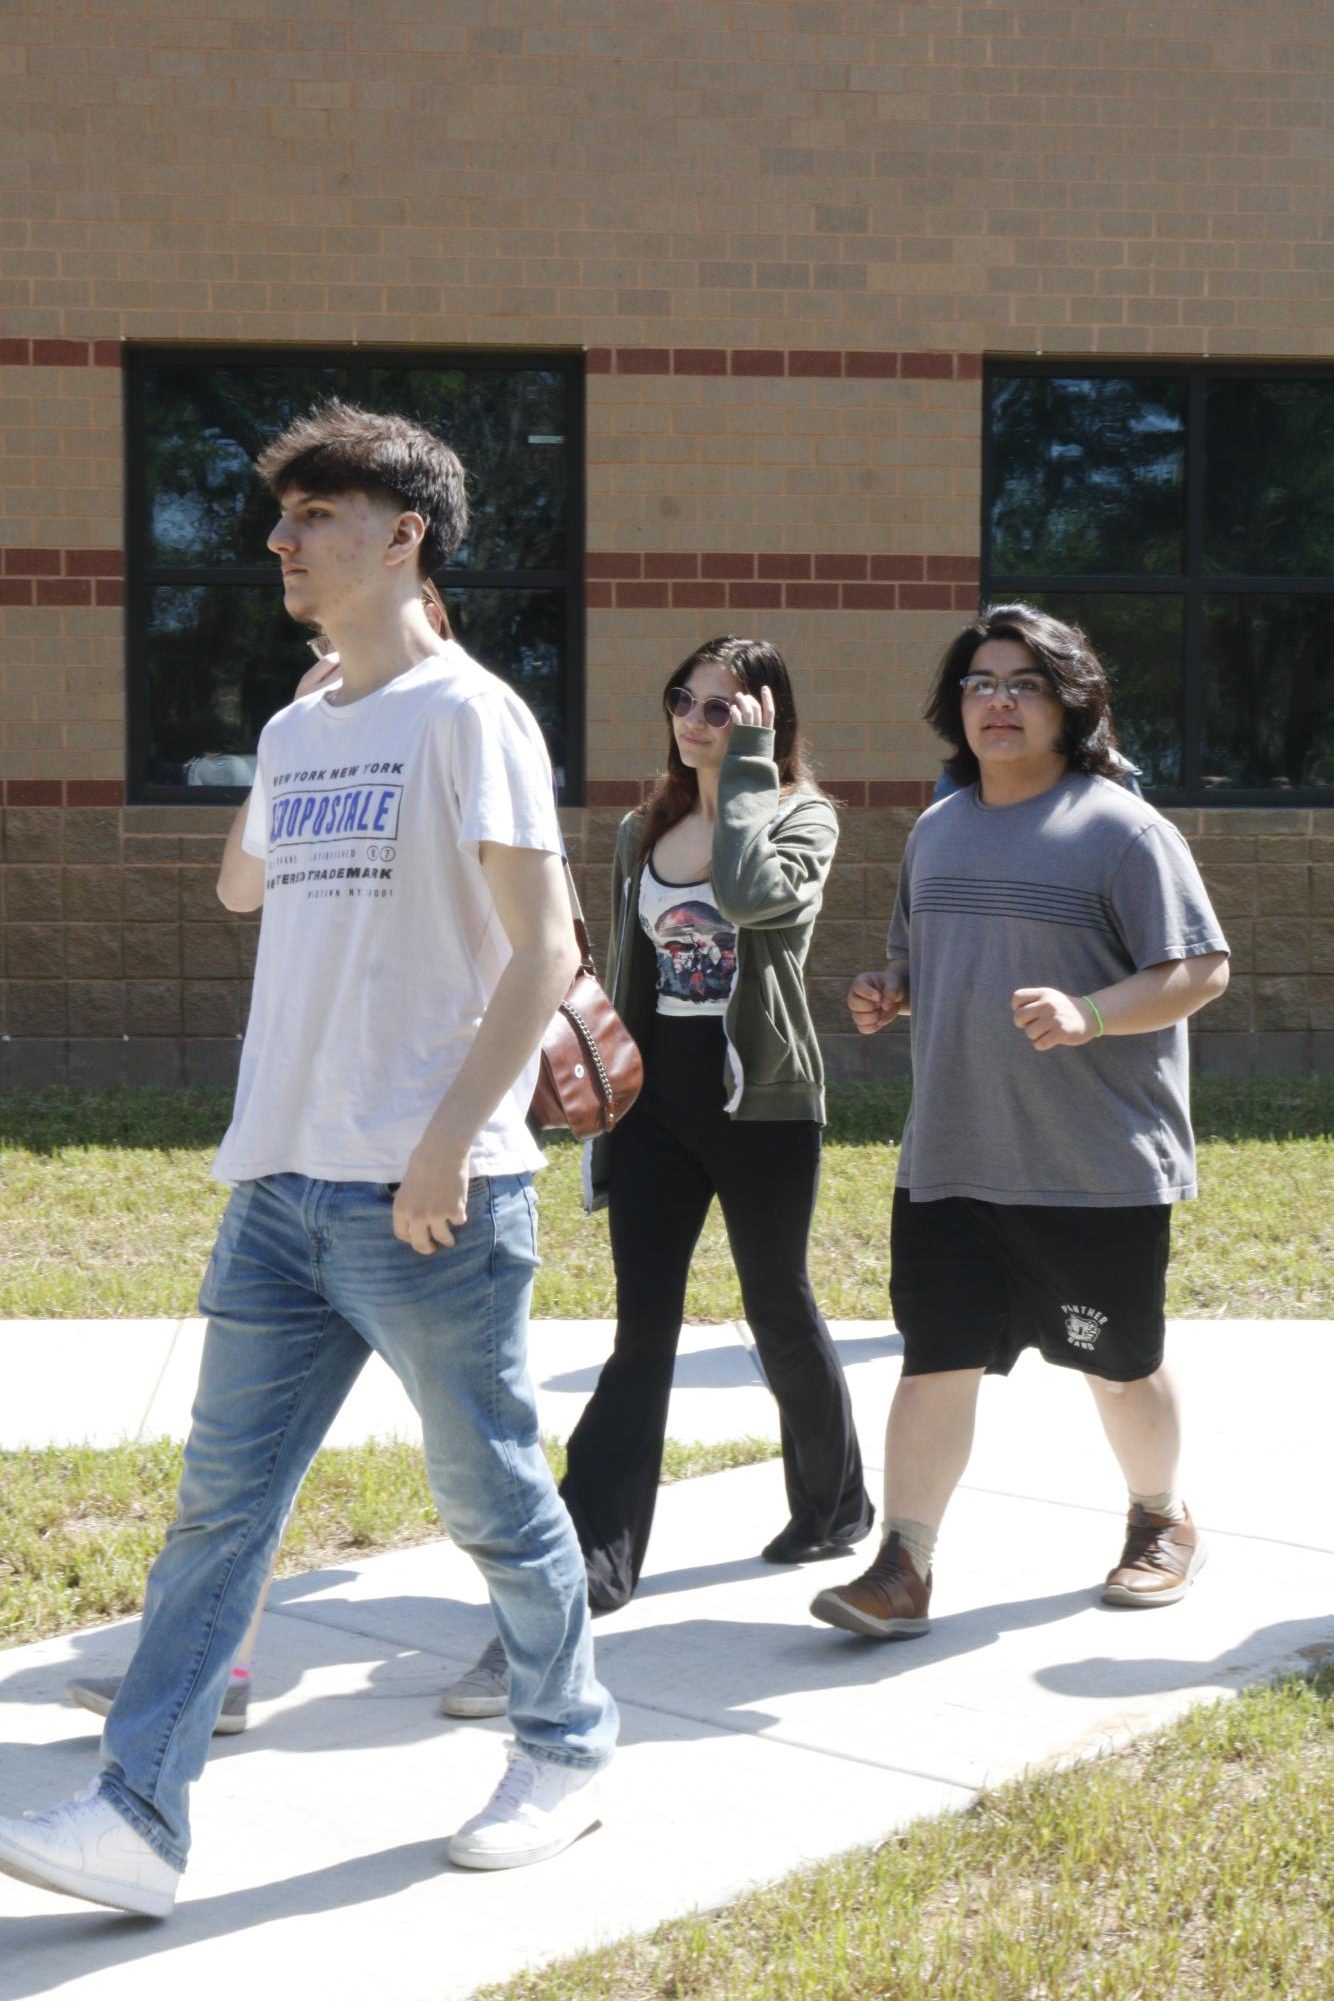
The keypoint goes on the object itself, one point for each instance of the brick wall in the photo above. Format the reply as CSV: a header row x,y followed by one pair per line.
x,y
784,231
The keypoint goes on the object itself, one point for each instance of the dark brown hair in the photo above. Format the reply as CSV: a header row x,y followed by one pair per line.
x,y
753,664
1063,656
336,448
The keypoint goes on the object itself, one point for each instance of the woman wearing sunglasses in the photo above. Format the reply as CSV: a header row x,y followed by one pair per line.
x,y
717,885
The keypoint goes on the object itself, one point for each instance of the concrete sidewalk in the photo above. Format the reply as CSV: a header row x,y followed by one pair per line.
x,y
754,1739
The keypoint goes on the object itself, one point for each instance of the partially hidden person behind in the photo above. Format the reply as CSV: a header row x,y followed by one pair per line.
x,y
1050,939
716,886
415,941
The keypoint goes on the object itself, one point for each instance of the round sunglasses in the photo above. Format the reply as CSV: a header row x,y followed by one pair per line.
x,y
716,712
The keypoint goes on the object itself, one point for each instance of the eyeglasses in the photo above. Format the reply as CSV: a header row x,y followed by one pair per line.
x,y
1021,687
716,712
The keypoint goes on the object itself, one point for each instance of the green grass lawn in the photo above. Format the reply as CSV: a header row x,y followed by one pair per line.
x,y
1193,1867
106,1208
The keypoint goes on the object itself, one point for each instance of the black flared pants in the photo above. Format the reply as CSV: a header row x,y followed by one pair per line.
x,y
677,1150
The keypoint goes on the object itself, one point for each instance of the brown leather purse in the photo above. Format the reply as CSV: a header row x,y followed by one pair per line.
x,y
591,1070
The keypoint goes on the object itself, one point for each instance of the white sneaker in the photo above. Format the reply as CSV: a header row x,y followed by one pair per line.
x,y
85,1848
538,1808
485,1689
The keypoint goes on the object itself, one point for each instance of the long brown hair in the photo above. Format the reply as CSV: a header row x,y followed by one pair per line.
x,y
753,664
432,597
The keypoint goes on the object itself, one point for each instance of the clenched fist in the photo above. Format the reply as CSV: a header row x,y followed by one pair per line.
x,y
1051,1019
875,998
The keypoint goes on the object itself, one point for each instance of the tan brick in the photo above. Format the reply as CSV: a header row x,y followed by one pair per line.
x,y
153,1007
151,895
93,952
92,834
36,1007
1215,850
96,1007
152,951
1282,945
845,892
887,831
1283,890
139,849
1231,890
203,848
32,894
35,951
211,1007
33,833
1282,1003
1241,944
247,945
91,895
209,952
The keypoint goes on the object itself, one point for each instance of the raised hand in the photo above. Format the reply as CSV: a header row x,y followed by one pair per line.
x,y
745,709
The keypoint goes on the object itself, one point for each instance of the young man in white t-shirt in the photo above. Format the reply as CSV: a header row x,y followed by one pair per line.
x,y
416,940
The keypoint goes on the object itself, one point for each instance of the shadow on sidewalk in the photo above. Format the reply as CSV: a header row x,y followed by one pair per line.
x,y
105,1940
1290,1645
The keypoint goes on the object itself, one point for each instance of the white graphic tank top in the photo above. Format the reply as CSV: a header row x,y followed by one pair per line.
x,y
695,944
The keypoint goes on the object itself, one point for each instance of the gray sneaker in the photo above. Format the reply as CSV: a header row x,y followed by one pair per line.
x,y
99,1692
484,1690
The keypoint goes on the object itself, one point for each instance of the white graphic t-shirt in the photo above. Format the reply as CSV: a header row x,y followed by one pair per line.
x,y
695,944
380,945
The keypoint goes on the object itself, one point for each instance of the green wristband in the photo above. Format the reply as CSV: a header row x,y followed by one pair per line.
x,y
1092,1006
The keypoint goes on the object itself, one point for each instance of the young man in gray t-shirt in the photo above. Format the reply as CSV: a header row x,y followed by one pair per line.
x,y
1052,935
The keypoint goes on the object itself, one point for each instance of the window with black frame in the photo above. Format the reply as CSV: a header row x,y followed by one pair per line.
x,y
212,654
1184,517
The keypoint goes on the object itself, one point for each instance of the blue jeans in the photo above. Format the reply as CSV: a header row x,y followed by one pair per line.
x,y
306,1278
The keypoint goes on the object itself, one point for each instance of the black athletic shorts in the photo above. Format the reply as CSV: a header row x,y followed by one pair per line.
x,y
972,1284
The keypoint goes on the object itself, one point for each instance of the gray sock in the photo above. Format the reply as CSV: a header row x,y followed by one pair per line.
x,y
917,1539
1169,1504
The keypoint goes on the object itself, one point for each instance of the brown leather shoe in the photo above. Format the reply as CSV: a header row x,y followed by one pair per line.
x,y
887,1602
1159,1562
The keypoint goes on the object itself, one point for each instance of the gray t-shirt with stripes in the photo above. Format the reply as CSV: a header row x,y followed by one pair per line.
x,y
1075,889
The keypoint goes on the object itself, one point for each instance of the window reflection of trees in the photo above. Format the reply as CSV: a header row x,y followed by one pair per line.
x,y
1269,691
1269,479
1089,475
1087,478
516,487
215,653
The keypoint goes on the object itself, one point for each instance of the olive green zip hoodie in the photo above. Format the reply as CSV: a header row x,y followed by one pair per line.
x,y
771,855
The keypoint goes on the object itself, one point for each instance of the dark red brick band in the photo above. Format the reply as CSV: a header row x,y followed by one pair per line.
x,y
60,353
62,577
63,791
852,364
653,581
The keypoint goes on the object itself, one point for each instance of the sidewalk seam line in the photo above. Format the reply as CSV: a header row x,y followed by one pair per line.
x,y
160,1379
